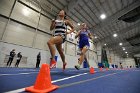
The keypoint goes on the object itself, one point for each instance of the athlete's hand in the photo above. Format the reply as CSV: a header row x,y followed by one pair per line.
x,y
67,32
53,21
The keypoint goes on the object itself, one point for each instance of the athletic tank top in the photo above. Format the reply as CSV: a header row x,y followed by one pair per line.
x,y
60,27
84,34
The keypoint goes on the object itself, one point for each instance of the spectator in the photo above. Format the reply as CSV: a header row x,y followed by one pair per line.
x,y
121,66
11,57
38,60
19,56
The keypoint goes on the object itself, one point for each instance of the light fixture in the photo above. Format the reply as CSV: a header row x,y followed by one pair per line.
x,y
25,11
120,44
126,52
95,36
115,35
78,24
105,44
123,48
102,16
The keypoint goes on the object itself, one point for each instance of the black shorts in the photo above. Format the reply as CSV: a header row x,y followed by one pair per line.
x,y
62,36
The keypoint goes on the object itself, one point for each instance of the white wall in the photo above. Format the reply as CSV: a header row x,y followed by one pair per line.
x,y
31,53
99,52
129,62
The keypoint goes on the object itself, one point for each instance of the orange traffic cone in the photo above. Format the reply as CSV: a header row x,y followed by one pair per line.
x,y
43,81
92,70
106,69
101,69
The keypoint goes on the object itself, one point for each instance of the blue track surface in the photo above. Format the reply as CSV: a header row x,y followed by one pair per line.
x,y
112,81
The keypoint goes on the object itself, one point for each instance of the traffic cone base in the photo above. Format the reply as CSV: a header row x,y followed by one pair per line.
x,y
43,82
107,69
101,69
92,70
32,89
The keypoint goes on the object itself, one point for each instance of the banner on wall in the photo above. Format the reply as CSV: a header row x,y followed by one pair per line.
x,y
71,37
104,59
110,59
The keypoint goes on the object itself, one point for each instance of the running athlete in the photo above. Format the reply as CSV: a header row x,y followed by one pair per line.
x,y
84,35
60,31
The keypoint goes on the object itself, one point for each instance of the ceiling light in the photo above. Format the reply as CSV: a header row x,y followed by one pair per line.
x,y
102,16
123,48
120,44
115,35
126,52
78,24
95,36
105,44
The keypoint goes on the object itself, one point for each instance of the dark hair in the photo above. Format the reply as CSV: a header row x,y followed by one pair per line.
x,y
65,17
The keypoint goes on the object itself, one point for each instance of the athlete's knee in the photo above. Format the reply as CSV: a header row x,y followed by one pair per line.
x,y
82,53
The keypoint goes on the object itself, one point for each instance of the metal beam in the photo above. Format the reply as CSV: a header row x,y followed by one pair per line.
x,y
91,12
71,5
114,18
53,4
121,32
134,50
60,3
88,22
76,16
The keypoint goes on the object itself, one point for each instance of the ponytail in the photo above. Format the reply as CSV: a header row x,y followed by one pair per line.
x,y
65,17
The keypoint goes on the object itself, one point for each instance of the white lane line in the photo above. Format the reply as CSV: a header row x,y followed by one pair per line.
x,y
16,74
87,80
135,70
34,72
68,77
23,89
16,91
22,73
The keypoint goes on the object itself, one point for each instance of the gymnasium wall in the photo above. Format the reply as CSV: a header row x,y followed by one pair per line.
x,y
99,52
129,62
116,60
25,27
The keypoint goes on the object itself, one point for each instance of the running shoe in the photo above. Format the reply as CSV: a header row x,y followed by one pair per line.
x,y
64,66
77,67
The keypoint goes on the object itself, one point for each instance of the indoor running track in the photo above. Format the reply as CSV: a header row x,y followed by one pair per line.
x,y
14,80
